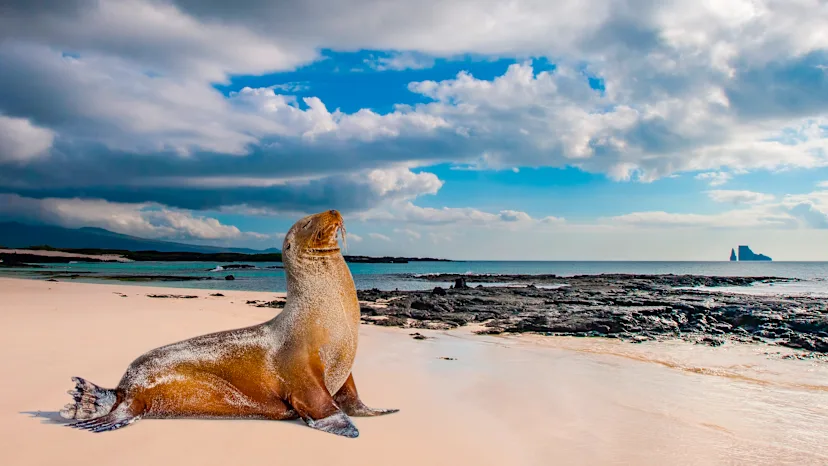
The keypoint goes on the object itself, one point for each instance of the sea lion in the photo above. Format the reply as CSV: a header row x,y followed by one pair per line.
x,y
296,365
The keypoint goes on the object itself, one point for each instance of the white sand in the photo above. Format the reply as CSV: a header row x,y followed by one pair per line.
x,y
519,400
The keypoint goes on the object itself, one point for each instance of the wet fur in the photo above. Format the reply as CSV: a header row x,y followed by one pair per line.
x,y
298,364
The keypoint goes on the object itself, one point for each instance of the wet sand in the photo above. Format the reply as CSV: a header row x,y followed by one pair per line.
x,y
502,400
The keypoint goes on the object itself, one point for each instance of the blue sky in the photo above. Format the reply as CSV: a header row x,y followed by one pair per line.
x,y
510,130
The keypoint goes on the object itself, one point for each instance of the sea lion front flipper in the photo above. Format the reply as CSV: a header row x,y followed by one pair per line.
x,y
348,399
317,408
337,423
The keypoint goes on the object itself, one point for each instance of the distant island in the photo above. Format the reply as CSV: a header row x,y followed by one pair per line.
x,y
745,254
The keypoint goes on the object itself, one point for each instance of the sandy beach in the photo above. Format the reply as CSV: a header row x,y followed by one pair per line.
x,y
501,400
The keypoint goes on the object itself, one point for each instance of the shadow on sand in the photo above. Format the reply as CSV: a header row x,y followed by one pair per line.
x,y
49,417
53,417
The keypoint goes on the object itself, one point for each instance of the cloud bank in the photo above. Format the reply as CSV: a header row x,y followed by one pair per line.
x,y
114,102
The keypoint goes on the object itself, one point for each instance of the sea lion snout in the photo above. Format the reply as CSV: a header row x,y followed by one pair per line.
x,y
315,234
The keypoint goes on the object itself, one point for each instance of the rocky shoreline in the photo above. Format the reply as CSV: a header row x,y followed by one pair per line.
x,y
631,307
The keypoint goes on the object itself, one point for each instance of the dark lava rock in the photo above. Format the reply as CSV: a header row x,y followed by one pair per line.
x,y
176,296
229,277
51,280
807,342
419,336
218,295
438,291
711,341
392,321
276,303
630,307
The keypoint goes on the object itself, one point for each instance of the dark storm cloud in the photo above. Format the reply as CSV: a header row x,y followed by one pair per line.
x,y
790,88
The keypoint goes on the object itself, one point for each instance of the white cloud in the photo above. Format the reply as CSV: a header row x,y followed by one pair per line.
x,y
379,237
676,79
811,209
554,118
294,86
188,226
732,219
400,61
403,183
20,140
410,213
739,197
438,238
822,184
443,221
354,238
793,211
717,32
514,216
408,232
143,220
552,220
686,87
156,36
715,178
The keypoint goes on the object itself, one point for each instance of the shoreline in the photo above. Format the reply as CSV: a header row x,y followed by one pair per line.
x,y
26,257
580,401
632,307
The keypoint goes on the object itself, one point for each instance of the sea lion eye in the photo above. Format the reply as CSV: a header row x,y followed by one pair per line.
x,y
287,247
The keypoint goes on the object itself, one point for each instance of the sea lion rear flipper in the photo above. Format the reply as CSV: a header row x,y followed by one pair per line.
x,y
119,417
348,399
89,401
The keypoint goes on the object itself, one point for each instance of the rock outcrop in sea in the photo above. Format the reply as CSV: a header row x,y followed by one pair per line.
x,y
745,254
733,255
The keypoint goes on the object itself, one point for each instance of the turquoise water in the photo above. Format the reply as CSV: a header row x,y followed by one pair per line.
x,y
391,276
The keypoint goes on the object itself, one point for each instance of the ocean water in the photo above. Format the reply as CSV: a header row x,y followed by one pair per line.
x,y
399,276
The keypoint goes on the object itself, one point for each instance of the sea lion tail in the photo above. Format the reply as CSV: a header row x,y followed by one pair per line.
x,y
90,401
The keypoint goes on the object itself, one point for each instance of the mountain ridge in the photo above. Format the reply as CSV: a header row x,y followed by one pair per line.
x,y
24,235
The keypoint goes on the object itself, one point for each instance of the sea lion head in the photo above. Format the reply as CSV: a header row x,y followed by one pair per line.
x,y
314,236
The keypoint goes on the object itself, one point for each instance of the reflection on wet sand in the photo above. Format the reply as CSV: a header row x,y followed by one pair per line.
x,y
734,404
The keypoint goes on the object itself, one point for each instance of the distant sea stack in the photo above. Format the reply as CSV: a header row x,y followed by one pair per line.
x,y
745,254
733,255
